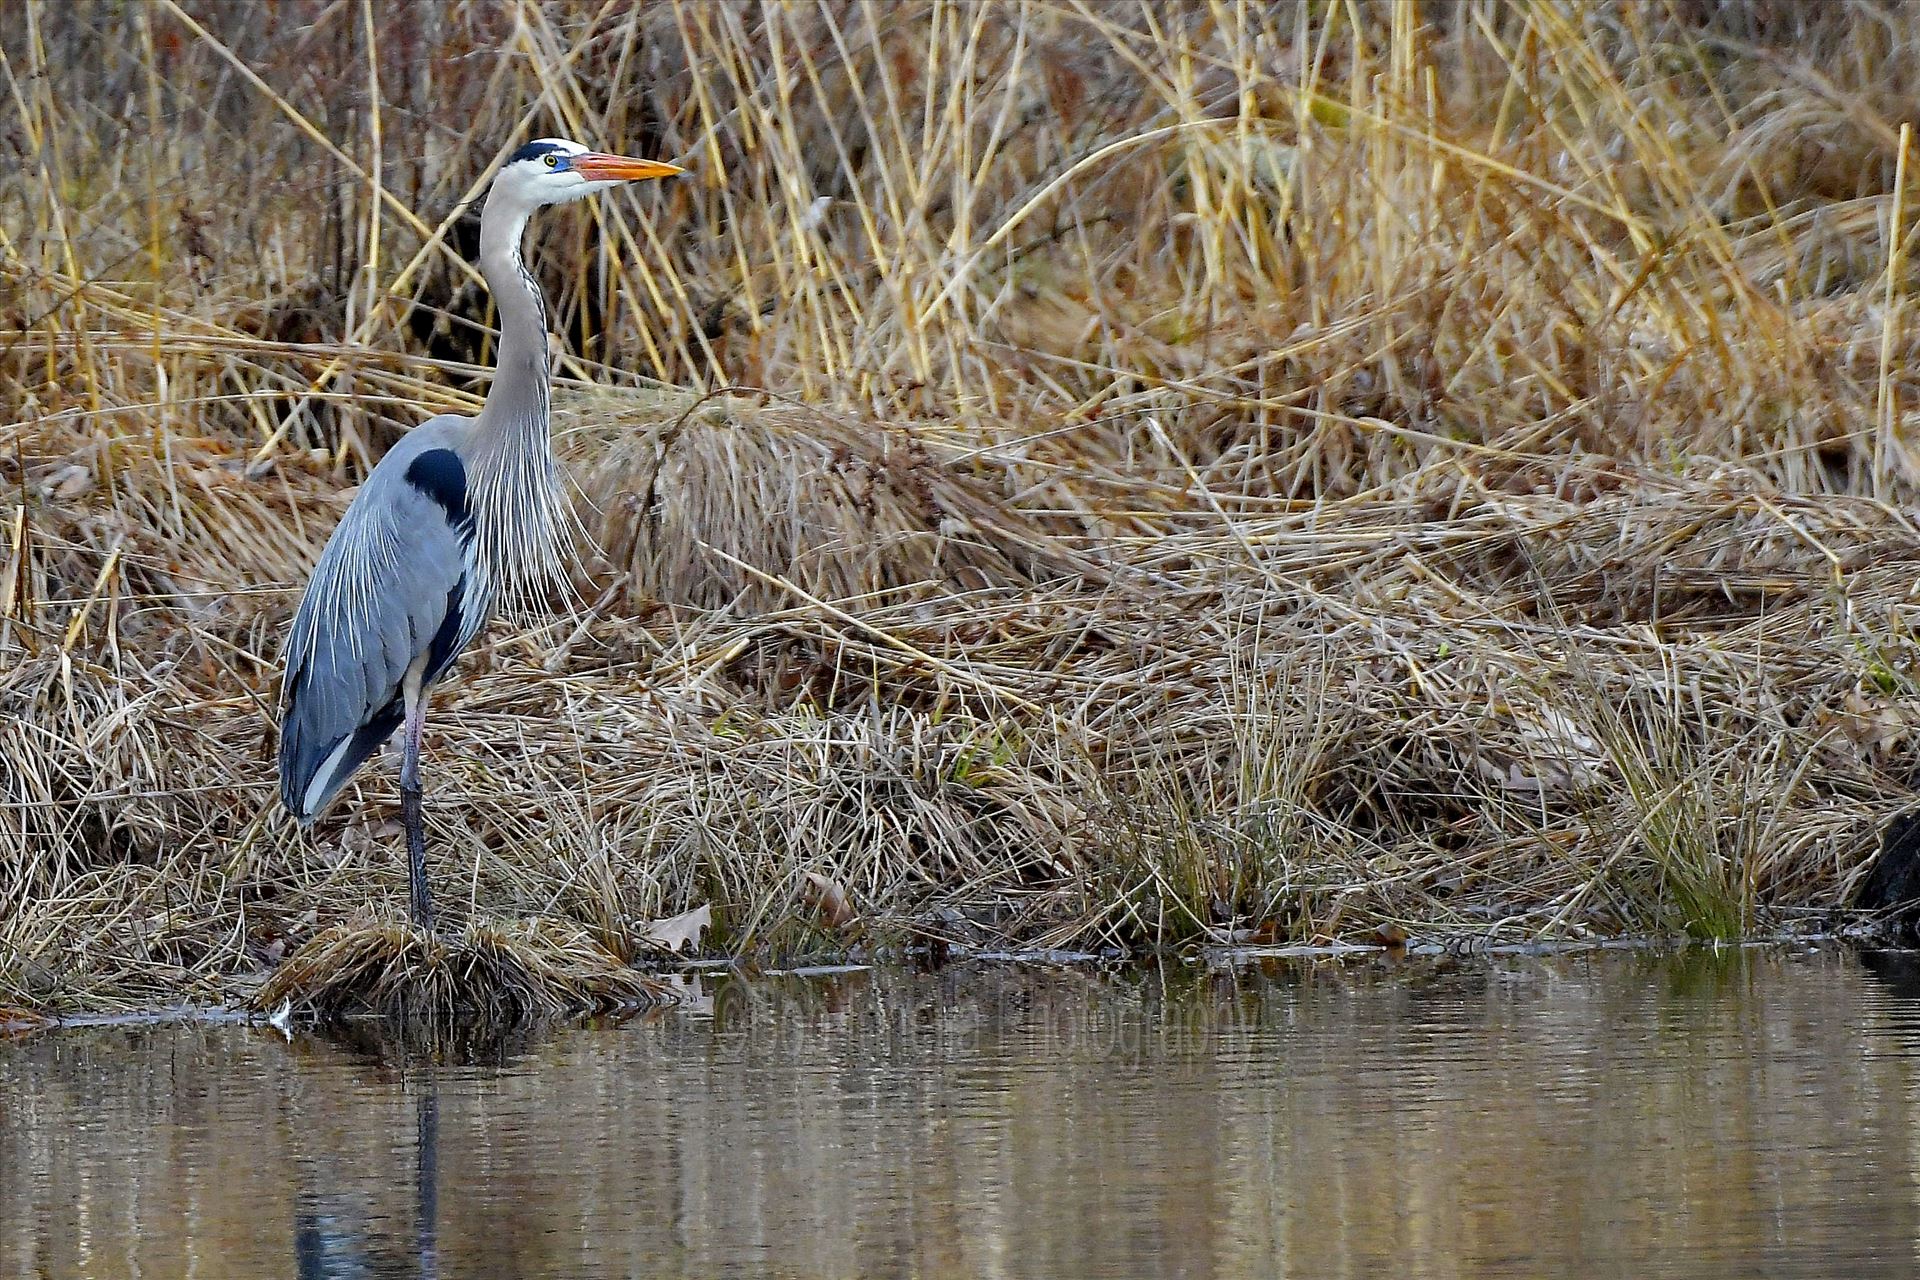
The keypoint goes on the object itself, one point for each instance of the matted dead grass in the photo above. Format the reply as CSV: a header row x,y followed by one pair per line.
x,y
504,975
1063,475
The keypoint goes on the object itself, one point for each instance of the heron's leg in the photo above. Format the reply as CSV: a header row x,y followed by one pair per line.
x,y
421,902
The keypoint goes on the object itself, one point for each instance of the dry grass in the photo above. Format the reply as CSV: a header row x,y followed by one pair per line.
x,y
492,976
1069,474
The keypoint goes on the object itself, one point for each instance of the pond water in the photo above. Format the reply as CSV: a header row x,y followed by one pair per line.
x,y
1607,1113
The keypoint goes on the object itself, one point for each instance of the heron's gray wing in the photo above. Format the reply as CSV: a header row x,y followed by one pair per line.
x,y
390,591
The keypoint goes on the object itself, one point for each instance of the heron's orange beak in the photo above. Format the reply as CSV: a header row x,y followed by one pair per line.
x,y
598,167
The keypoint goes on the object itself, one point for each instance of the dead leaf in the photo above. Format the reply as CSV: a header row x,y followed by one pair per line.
x,y
829,898
679,932
69,482
690,994
1264,934
1549,753
15,1020
366,837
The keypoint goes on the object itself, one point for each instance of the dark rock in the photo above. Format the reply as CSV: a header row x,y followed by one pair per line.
x,y
1892,888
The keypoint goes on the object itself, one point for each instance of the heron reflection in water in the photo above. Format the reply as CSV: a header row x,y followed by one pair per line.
x,y
334,1240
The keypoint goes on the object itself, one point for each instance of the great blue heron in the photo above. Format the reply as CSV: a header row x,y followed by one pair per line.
x,y
458,514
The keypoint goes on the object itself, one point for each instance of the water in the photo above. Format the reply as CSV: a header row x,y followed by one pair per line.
x,y
1602,1114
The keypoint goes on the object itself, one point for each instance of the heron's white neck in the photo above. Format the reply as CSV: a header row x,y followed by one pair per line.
x,y
513,478
518,400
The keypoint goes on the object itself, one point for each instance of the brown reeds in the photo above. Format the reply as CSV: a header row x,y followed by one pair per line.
x,y
1067,474
493,976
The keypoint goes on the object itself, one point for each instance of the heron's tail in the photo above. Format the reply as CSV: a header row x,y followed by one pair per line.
x,y
313,770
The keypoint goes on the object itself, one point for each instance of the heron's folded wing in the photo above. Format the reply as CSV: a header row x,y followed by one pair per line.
x,y
391,580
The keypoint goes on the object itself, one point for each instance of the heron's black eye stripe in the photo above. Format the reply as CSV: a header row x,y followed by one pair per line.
x,y
533,151
438,474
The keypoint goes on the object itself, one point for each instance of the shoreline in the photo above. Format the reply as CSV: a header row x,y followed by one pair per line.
x,y
1210,958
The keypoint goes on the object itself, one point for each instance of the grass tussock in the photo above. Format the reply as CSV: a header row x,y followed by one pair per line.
x,y
499,976
1058,474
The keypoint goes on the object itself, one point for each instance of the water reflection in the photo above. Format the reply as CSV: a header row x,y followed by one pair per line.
x,y
338,1235
1900,970
1737,1112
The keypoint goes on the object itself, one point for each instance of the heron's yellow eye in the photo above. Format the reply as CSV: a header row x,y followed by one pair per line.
x,y
552,160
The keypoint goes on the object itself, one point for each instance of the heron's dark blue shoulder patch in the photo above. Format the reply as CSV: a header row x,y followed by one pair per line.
x,y
532,151
439,474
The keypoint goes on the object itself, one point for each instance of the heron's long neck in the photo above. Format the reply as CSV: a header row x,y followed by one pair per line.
x,y
519,513
517,403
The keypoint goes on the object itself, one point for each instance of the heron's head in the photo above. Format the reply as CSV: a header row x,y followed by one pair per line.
x,y
555,171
